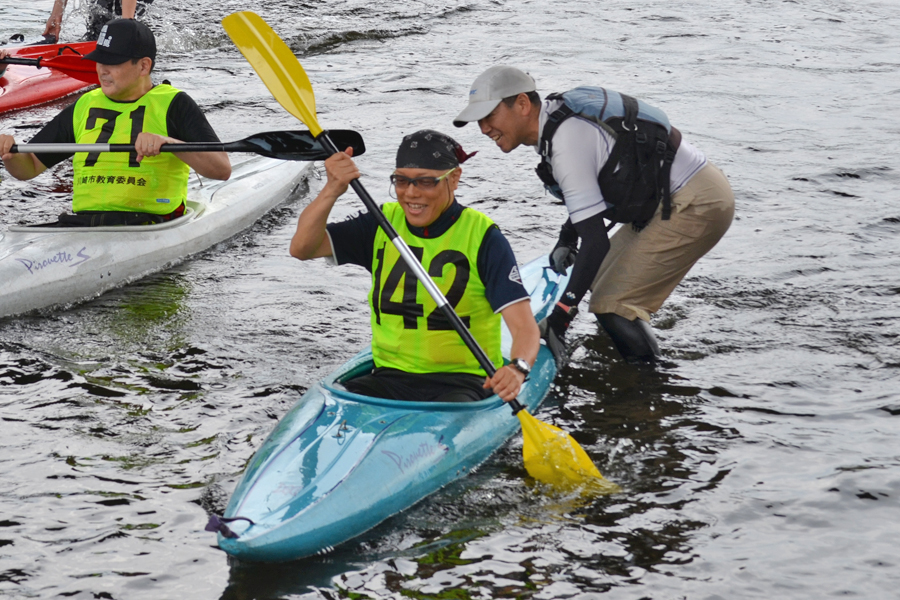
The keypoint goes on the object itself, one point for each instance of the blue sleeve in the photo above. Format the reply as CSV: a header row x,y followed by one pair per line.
x,y
352,240
498,270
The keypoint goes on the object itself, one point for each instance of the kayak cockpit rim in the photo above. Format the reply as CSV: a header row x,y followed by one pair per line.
x,y
192,210
363,365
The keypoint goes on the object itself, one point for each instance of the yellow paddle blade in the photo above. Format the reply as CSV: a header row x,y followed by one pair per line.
x,y
553,457
275,64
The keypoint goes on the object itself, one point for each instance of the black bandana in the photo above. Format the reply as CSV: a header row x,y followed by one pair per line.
x,y
430,149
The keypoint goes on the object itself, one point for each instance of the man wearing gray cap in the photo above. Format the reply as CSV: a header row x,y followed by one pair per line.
x,y
117,188
618,159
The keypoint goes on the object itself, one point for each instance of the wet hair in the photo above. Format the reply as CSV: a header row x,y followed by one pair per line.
x,y
430,149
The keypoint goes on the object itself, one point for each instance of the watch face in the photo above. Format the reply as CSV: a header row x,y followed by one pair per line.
x,y
521,365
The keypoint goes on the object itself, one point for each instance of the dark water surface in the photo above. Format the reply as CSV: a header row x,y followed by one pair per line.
x,y
760,460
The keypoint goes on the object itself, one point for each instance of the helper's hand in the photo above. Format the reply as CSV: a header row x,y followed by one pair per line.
x,y
553,329
562,258
52,29
566,249
506,382
54,21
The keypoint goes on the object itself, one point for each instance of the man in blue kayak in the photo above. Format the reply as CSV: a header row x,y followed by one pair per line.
x,y
121,188
418,355
597,159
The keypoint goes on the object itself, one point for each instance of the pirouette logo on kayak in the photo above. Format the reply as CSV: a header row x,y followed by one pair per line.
x,y
422,451
60,258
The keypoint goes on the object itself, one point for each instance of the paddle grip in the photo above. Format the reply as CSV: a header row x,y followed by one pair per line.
x,y
422,275
28,62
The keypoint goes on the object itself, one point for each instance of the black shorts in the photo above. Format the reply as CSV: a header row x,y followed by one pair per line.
x,y
104,11
419,387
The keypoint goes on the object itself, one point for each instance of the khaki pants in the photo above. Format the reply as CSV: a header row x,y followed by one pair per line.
x,y
642,268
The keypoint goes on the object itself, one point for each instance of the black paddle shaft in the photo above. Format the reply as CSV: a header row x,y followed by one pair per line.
x,y
283,145
421,274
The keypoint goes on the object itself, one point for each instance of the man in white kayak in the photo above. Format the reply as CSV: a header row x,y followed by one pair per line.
x,y
610,156
418,355
121,188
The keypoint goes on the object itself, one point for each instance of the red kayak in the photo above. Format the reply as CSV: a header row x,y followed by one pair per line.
x,y
62,72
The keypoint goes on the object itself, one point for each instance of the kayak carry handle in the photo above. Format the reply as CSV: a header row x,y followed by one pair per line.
x,y
218,524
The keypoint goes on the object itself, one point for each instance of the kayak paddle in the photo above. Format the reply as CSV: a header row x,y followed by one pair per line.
x,y
283,145
550,454
70,64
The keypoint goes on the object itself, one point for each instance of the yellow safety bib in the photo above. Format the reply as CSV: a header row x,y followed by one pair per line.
x,y
409,332
115,181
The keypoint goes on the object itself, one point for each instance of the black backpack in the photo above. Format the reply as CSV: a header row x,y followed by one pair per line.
x,y
643,152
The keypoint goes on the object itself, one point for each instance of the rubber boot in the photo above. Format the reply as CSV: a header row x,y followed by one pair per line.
x,y
633,339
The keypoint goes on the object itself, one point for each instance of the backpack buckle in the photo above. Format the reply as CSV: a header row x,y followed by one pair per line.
x,y
545,148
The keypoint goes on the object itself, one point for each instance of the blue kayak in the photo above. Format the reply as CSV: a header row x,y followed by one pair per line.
x,y
338,463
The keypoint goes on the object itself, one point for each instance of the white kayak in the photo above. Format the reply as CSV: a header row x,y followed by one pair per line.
x,y
41,267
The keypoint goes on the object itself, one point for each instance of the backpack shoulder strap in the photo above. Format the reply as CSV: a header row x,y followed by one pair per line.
x,y
665,172
625,135
554,120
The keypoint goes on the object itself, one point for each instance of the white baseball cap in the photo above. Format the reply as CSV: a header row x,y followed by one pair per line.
x,y
490,88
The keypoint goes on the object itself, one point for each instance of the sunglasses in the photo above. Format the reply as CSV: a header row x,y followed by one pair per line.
x,y
423,183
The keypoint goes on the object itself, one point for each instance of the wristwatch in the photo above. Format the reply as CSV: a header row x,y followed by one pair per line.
x,y
520,365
